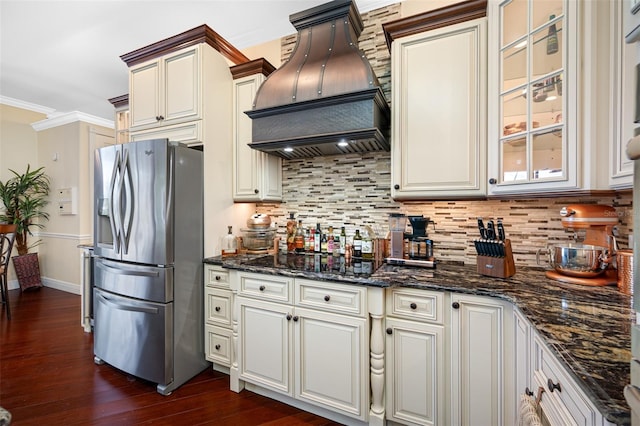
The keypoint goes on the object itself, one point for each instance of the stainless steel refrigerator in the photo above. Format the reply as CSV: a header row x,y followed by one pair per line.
x,y
148,250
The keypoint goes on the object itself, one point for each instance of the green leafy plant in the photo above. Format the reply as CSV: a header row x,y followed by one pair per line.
x,y
24,197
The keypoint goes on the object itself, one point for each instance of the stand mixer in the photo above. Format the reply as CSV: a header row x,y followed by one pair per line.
x,y
588,263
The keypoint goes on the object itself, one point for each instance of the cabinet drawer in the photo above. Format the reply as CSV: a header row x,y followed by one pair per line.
x,y
215,276
186,133
266,287
339,298
566,405
217,345
417,305
217,307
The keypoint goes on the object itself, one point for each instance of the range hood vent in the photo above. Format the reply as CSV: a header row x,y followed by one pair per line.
x,y
325,99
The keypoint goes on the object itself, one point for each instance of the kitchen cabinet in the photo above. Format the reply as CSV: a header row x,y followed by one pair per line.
x,y
257,176
121,118
481,361
415,357
218,309
307,340
550,121
522,357
438,85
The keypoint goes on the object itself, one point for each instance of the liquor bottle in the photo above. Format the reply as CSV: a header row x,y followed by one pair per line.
x,y
291,233
552,38
336,245
357,244
307,241
324,244
317,240
330,241
367,247
312,241
343,242
229,244
299,238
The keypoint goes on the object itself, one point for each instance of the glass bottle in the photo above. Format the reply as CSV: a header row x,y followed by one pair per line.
x,y
336,245
229,244
312,241
330,240
343,242
317,240
357,244
307,241
291,233
299,238
552,38
324,244
367,247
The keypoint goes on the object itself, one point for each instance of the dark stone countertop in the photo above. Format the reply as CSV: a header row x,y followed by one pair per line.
x,y
587,328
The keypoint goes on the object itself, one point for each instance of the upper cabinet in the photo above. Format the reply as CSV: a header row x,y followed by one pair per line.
x,y
438,84
549,119
121,122
257,176
178,85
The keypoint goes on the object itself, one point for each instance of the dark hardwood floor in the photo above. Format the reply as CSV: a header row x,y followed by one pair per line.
x,y
47,377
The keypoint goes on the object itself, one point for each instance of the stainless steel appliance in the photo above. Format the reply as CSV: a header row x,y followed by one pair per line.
x,y
148,250
410,249
632,35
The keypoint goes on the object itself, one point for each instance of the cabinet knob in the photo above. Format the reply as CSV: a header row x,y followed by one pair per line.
x,y
327,298
295,318
396,187
217,347
262,288
389,330
217,308
256,191
553,386
455,305
493,181
288,317
413,305
218,277
528,391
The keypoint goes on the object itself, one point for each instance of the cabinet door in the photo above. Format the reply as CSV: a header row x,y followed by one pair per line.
x,y
439,123
265,344
144,94
415,372
331,361
522,357
257,176
180,93
478,361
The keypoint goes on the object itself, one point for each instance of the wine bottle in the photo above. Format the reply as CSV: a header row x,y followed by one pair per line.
x,y
343,242
367,247
324,244
357,244
552,38
317,240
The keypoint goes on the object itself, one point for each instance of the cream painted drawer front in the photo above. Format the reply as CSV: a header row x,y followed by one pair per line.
x,y
217,307
337,298
215,276
417,305
217,343
186,133
266,287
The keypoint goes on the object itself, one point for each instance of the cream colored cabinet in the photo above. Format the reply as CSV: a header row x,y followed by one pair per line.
x,y
522,359
218,311
438,81
550,115
121,118
166,90
307,340
415,357
481,361
257,176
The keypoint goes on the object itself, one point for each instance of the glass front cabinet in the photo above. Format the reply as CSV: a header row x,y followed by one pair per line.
x,y
543,95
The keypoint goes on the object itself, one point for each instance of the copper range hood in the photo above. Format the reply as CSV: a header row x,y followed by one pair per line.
x,y
325,99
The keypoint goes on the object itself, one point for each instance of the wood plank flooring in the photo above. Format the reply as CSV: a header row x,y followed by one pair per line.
x,y
47,377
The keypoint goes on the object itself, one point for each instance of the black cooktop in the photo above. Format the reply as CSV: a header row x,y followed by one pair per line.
x,y
321,263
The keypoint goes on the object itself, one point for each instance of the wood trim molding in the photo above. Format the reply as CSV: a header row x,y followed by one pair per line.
x,y
201,34
119,101
257,66
432,19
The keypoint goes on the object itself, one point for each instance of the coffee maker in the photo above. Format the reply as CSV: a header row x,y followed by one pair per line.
x,y
414,248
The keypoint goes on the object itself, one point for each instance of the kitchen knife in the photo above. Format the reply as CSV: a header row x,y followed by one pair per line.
x,y
500,230
483,231
491,231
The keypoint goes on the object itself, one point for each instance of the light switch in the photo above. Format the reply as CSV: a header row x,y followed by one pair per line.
x,y
67,199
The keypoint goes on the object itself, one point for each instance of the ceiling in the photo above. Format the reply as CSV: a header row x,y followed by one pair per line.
x,y
65,55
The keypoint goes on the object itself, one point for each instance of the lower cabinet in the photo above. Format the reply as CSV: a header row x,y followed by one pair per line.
x,y
218,308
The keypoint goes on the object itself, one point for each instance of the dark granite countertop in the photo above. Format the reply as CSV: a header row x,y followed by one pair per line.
x,y
587,328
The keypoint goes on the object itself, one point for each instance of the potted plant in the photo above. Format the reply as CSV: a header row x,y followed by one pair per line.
x,y
24,196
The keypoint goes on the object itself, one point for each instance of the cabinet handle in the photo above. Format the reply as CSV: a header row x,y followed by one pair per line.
x,y
396,187
327,298
217,308
161,118
553,386
218,277
455,305
389,330
288,317
217,347
413,305
256,191
528,391
295,318
493,181
262,288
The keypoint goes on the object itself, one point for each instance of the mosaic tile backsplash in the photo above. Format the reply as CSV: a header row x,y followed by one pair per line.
x,y
355,190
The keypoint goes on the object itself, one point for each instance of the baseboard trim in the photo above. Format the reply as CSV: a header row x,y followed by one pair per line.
x,y
50,282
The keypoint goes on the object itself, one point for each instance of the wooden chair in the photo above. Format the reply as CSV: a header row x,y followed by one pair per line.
x,y
7,237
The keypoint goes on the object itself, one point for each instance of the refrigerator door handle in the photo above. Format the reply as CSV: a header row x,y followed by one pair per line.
x,y
129,272
127,193
113,222
124,306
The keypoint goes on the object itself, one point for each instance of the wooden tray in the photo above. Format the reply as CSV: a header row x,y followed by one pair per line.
x,y
609,277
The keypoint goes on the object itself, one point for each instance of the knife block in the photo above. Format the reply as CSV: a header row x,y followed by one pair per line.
x,y
499,267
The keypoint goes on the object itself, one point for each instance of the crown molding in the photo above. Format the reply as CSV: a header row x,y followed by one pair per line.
x,y
17,103
56,120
